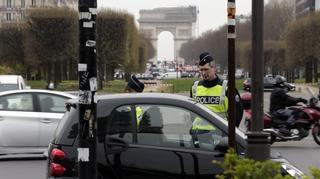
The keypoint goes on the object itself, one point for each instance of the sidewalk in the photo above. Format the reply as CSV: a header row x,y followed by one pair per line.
x,y
302,87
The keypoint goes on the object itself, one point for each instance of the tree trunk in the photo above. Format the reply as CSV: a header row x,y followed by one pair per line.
x,y
72,71
315,69
308,71
100,75
64,72
109,72
56,74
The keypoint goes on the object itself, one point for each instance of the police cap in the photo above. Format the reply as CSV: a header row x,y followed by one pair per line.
x,y
205,58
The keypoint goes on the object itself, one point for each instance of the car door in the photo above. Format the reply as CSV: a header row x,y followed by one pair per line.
x,y
19,123
161,144
52,108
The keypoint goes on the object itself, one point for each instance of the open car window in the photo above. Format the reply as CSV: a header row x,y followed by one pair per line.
x,y
163,125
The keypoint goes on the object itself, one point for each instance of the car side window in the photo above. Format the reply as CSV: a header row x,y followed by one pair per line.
x,y
120,123
17,102
3,103
52,103
165,126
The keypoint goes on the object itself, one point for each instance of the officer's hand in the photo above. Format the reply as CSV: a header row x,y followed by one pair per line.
x,y
303,100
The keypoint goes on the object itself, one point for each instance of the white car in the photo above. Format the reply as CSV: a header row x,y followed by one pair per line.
x,y
28,119
12,82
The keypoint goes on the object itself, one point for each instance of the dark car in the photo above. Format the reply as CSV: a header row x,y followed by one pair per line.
x,y
162,144
269,83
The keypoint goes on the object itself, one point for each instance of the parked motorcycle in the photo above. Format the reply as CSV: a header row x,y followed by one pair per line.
x,y
306,117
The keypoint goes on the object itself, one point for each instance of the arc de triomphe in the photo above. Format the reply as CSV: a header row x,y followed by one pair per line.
x,y
181,22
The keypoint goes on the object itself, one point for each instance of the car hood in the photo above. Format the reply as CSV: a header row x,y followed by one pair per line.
x,y
286,166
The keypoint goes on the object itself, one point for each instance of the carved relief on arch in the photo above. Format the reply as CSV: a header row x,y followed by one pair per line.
x,y
172,30
184,33
148,32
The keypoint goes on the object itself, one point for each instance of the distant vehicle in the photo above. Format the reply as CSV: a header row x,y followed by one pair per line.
x,y
186,75
145,76
162,145
12,82
269,83
28,119
239,74
170,75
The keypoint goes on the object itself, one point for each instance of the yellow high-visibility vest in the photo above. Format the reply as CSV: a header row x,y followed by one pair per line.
x,y
211,97
139,113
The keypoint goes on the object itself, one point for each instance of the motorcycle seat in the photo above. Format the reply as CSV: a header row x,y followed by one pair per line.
x,y
276,121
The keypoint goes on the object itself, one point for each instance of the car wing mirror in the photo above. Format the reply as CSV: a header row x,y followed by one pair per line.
x,y
115,145
223,145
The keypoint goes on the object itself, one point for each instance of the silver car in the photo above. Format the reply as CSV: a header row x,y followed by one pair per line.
x,y
28,119
12,82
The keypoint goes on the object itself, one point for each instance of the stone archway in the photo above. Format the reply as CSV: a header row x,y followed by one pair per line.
x,y
179,21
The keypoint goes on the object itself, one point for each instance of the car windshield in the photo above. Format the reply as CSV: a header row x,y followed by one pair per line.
x,y
7,87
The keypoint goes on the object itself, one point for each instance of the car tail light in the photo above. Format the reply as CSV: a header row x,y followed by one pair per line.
x,y
56,169
57,154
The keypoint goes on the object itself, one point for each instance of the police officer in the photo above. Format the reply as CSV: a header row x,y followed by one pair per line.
x,y
135,86
211,90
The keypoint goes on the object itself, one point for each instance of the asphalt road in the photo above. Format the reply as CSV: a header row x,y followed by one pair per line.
x,y
23,169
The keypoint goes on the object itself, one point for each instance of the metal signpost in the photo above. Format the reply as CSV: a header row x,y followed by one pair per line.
x,y
231,71
87,73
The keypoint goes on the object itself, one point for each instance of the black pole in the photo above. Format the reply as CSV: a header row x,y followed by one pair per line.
x,y
231,72
258,141
87,73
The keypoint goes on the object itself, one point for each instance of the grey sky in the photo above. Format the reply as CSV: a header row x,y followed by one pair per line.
x,y
212,15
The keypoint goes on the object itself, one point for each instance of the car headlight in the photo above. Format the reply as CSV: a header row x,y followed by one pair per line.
x,y
288,169
292,170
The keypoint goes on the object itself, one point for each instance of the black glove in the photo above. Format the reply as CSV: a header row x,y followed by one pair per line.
x,y
303,100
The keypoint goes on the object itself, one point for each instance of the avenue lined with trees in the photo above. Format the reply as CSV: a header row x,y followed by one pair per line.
x,y
45,46
291,47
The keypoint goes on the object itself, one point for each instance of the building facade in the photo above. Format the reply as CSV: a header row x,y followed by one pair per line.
x,y
15,10
304,7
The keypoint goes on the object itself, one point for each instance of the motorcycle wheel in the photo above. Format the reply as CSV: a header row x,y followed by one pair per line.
x,y
316,134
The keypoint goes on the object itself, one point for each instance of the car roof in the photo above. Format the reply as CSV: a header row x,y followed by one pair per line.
x,y
38,91
9,79
143,96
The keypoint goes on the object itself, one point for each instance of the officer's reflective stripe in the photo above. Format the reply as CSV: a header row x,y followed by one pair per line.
x,y
194,89
200,124
208,99
138,115
223,92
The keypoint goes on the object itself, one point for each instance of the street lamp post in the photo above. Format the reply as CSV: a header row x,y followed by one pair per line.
x,y
258,141
87,74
